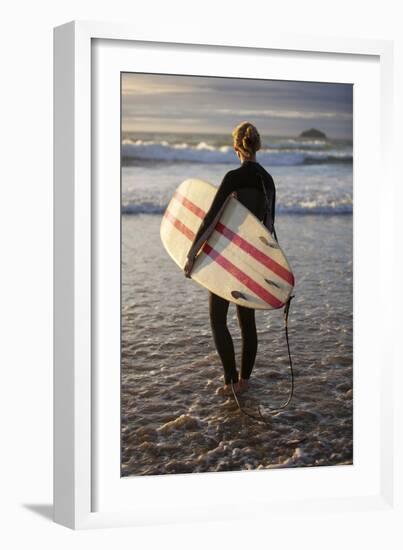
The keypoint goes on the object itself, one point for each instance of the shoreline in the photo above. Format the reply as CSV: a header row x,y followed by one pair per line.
x,y
172,421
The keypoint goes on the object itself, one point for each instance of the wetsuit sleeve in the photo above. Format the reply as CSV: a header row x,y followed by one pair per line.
x,y
225,189
270,192
273,207
273,212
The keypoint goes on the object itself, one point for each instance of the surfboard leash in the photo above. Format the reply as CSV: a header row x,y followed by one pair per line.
x,y
274,410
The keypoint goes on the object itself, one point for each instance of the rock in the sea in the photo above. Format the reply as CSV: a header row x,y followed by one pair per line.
x,y
313,133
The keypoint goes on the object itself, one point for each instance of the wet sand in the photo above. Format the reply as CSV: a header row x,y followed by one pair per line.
x,y
172,419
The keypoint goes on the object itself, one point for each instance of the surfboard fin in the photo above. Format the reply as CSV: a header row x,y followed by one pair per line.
x,y
236,294
268,281
266,242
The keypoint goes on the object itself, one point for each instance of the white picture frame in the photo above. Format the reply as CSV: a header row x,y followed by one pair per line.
x,y
87,491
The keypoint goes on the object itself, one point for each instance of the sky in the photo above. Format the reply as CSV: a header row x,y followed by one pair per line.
x,y
169,103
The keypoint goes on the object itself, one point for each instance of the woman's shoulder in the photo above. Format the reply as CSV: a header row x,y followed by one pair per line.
x,y
263,170
267,178
231,177
233,173
239,175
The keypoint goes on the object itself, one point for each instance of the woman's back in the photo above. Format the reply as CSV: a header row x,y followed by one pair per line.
x,y
247,181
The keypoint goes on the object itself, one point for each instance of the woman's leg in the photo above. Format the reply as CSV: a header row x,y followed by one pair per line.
x,y
246,318
218,308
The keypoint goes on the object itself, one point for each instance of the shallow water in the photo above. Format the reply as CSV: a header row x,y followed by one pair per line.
x,y
172,419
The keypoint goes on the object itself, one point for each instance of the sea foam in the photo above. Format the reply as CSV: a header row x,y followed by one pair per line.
x,y
290,153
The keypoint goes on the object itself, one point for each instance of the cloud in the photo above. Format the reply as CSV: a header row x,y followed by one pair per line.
x,y
278,113
214,104
134,84
145,89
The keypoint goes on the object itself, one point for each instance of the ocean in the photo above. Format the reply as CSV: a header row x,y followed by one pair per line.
x,y
172,420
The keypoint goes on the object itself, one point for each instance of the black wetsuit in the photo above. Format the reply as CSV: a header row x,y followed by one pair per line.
x,y
247,181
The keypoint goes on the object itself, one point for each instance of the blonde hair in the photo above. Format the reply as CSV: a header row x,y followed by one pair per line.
x,y
246,139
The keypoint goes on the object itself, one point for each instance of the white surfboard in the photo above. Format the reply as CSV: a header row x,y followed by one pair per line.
x,y
240,262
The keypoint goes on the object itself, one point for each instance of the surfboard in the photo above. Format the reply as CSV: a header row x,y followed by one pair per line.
x,y
240,261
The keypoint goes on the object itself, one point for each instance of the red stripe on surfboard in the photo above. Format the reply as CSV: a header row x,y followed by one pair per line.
x,y
255,253
179,225
242,277
227,265
190,205
240,242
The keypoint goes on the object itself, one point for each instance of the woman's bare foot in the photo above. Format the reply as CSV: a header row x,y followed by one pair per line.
x,y
243,385
227,389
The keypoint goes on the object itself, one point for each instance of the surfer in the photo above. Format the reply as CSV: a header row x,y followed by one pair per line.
x,y
254,187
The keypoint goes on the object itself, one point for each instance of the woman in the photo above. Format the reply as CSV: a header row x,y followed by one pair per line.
x,y
253,187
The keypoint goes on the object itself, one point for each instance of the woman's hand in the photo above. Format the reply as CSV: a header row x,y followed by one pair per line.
x,y
189,266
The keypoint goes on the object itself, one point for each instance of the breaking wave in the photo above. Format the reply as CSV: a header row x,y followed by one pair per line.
x,y
297,209
291,153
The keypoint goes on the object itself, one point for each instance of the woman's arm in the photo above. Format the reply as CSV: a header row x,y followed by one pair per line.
x,y
273,212
199,241
209,222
